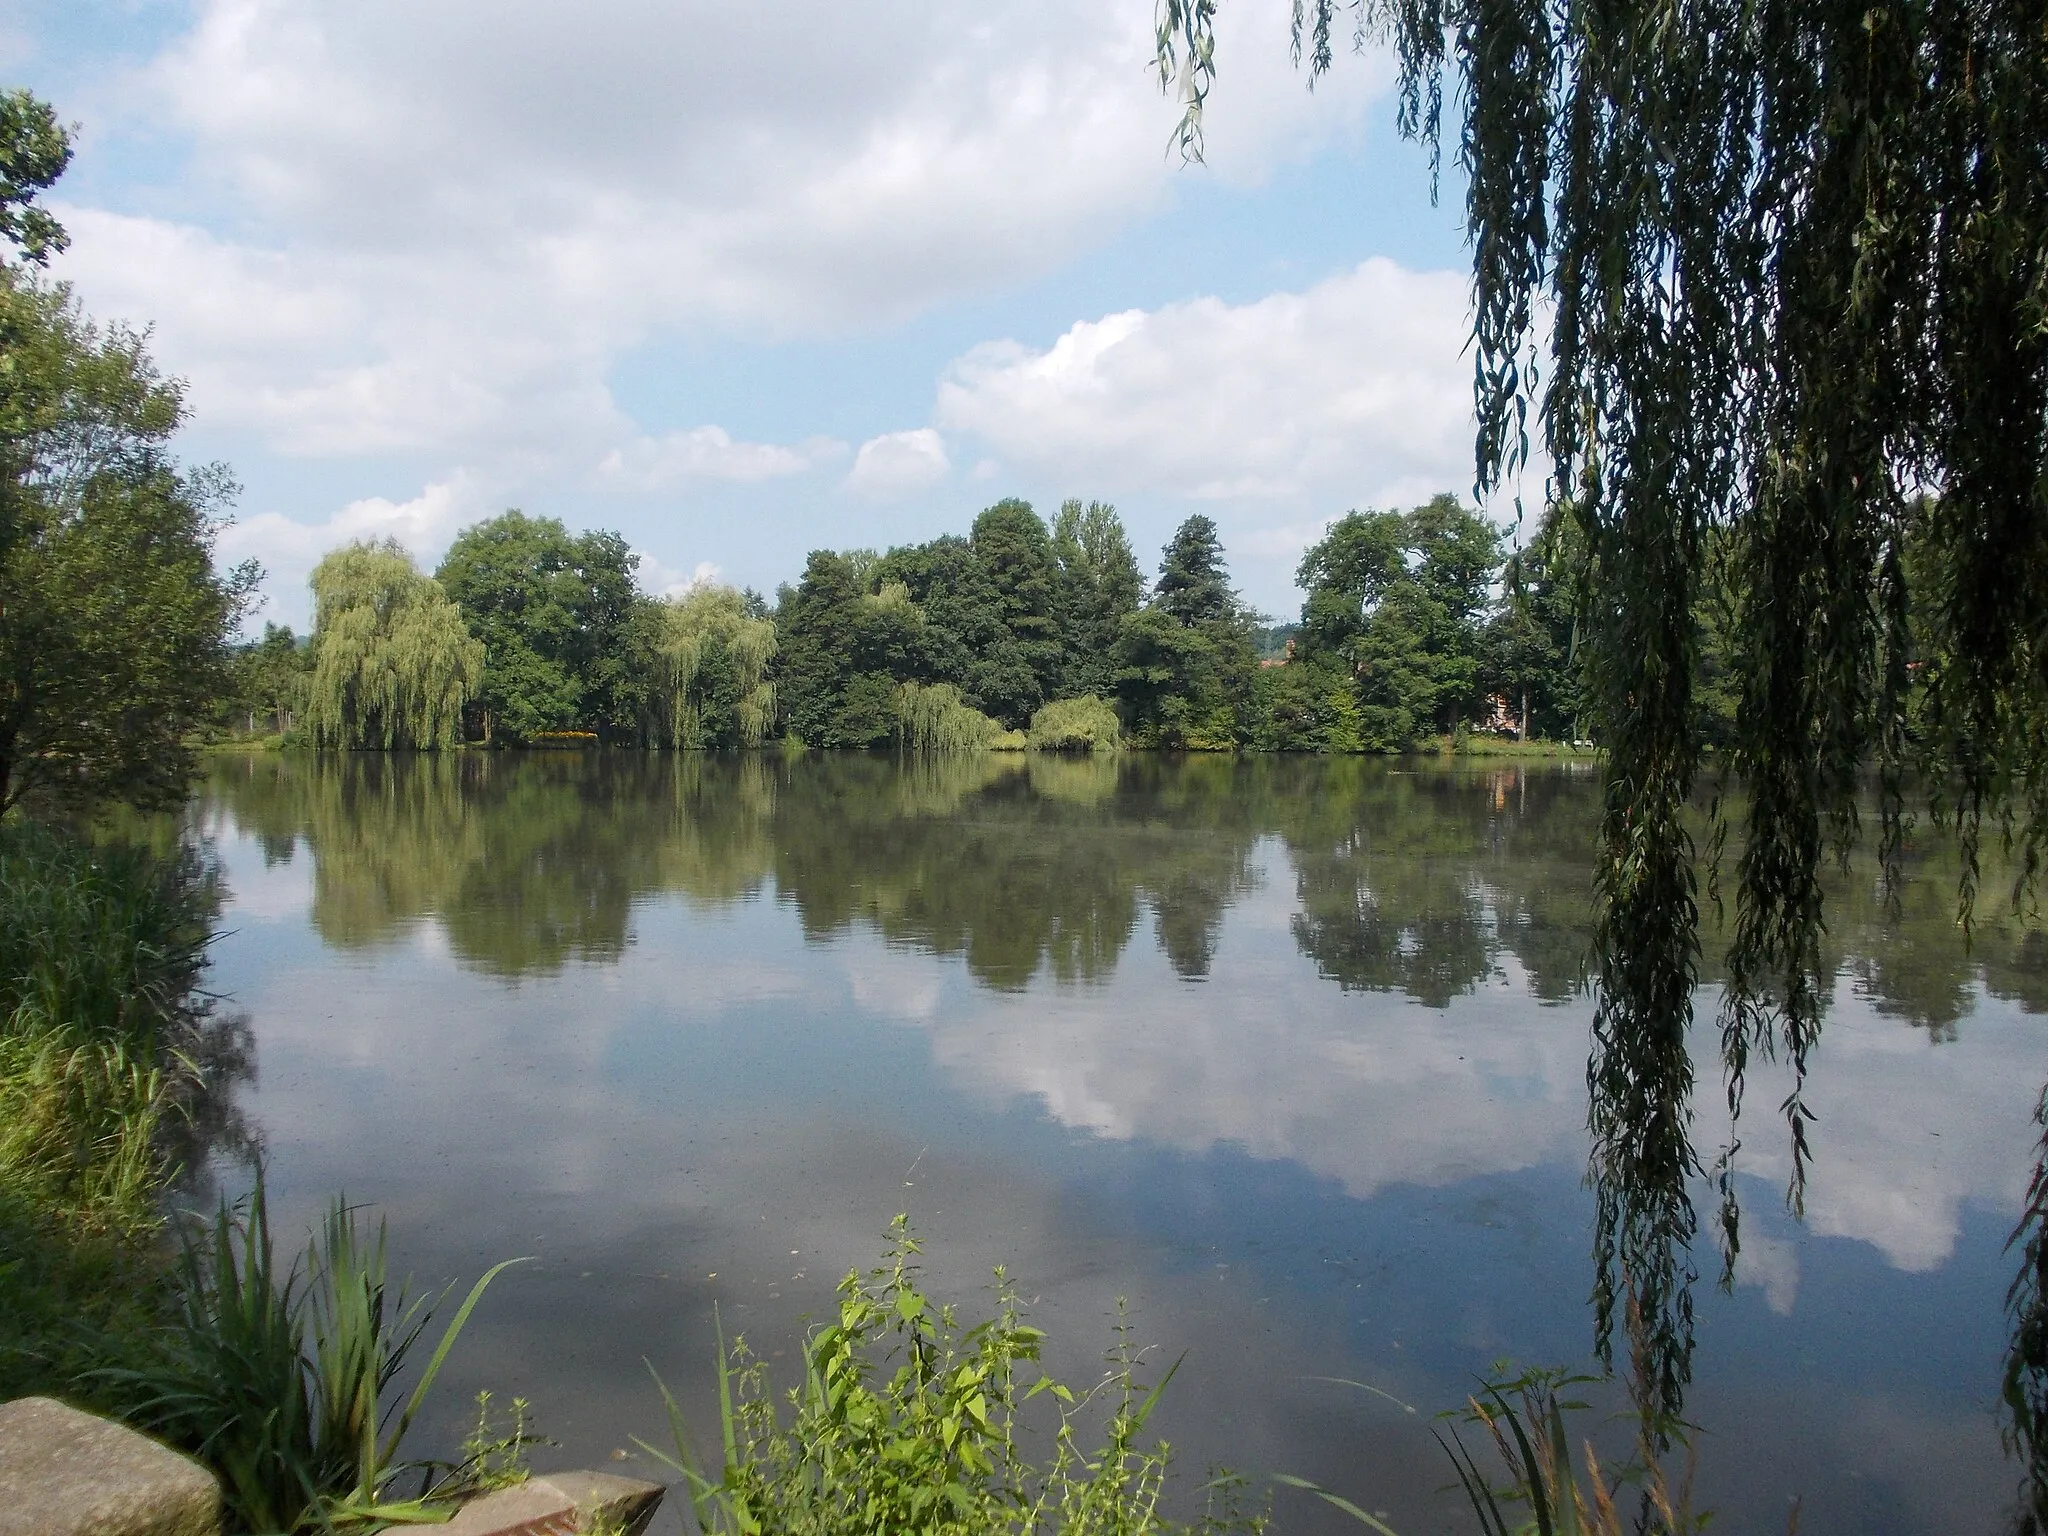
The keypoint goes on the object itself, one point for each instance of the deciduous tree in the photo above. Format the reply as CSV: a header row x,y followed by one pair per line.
x,y
552,610
114,620
393,663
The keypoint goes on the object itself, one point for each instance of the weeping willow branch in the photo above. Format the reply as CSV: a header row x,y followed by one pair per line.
x,y
1785,265
705,623
2026,1359
934,718
392,661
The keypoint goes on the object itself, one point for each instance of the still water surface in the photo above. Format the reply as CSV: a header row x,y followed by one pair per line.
x,y
1288,1053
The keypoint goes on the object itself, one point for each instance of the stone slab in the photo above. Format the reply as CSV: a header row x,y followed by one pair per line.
x,y
559,1504
64,1472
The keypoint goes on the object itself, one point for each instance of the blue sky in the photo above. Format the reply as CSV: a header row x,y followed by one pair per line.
x,y
743,281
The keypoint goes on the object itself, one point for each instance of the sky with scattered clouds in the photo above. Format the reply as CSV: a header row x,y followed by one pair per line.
x,y
741,282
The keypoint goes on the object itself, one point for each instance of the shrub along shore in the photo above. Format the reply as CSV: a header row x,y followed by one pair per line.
x,y
1419,627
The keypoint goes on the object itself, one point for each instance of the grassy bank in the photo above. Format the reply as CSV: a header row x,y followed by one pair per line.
x,y
1482,746
105,1046
115,1077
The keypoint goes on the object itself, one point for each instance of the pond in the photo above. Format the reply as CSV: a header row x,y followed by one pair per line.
x,y
1289,1053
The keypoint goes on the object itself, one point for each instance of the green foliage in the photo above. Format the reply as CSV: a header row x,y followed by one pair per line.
x,y
1524,1417
1002,617
1086,724
1790,265
906,1423
113,620
1015,554
714,689
552,613
34,149
843,649
1527,647
113,1071
1542,1489
104,1032
1307,705
1098,584
1185,665
2025,1384
1398,598
933,718
1193,586
269,679
495,1454
281,1378
392,662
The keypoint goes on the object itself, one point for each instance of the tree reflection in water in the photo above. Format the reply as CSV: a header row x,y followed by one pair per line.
x,y
1417,879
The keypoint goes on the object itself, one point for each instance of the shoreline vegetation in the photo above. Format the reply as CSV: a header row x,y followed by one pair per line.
x,y
117,1080
1472,745
1420,632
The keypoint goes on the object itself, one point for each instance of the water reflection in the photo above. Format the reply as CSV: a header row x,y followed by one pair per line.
x,y
770,986
1419,881
1424,884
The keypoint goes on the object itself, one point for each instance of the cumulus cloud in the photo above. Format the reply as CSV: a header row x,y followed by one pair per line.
x,y
710,453
289,550
449,220
1353,389
665,581
898,464
326,353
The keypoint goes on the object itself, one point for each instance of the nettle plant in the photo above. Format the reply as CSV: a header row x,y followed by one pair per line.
x,y
906,1422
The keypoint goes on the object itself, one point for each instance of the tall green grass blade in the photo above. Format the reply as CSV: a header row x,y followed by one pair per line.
x,y
1151,1399
1371,1522
440,1355
1478,1492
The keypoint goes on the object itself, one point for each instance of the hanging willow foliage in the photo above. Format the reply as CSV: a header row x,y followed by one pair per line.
x,y
392,660
691,625
932,717
1788,261
1086,724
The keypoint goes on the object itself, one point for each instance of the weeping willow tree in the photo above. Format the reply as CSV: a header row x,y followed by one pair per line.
x,y
1086,724
714,657
392,660
933,717
1771,276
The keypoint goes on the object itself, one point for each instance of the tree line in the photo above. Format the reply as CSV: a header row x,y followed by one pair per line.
x,y
1417,624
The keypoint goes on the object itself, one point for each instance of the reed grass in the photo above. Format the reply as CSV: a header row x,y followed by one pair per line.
x,y
282,1378
907,1423
1537,1487
105,1041
100,1015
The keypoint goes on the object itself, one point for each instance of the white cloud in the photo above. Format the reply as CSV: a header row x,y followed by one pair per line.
x,y
289,550
898,464
710,453
328,354
664,581
1352,390
448,221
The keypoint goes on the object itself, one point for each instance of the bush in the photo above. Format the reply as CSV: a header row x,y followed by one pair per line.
x,y
100,1017
1086,724
933,717
280,1379
114,1071
907,1425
